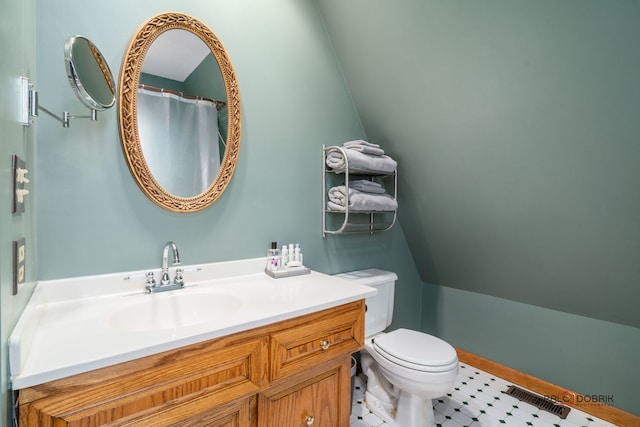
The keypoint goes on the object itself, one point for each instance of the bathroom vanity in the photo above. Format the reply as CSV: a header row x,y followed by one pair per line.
x,y
278,355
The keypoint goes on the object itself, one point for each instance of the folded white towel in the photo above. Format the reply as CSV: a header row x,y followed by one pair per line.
x,y
360,142
367,150
359,201
364,147
359,162
367,186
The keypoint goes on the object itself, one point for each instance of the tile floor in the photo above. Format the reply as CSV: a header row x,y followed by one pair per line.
x,y
478,400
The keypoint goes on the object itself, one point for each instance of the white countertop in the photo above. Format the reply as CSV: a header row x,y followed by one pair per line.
x,y
80,324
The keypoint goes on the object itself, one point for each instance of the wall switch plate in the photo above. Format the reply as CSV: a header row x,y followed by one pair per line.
x,y
18,180
19,256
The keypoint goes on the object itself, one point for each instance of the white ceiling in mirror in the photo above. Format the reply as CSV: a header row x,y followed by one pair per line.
x,y
175,54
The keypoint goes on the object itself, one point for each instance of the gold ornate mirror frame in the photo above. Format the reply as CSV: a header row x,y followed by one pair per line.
x,y
128,117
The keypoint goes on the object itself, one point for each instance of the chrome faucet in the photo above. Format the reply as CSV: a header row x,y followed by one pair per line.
x,y
165,282
165,261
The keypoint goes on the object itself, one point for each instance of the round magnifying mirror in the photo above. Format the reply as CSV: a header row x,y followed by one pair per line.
x,y
89,74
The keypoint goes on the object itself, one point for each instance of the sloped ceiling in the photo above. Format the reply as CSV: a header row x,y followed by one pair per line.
x,y
174,55
516,129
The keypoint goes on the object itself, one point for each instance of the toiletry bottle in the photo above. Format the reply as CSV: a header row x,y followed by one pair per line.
x,y
273,257
296,251
285,257
291,253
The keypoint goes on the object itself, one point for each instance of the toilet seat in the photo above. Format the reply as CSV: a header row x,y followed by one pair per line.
x,y
416,350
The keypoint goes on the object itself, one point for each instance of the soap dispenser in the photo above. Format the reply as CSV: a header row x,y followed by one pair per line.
x,y
273,257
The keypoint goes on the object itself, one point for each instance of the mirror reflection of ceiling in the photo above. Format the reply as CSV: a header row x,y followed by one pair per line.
x,y
175,55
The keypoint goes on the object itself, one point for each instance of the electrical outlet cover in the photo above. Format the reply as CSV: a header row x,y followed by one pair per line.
x,y
18,264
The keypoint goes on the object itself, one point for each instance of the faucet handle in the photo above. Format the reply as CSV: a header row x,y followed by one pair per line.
x,y
151,282
178,280
150,279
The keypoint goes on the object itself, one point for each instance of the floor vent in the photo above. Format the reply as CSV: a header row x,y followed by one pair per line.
x,y
544,403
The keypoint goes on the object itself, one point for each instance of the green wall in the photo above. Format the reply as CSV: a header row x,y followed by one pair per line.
x,y
93,219
590,356
516,127
17,38
206,80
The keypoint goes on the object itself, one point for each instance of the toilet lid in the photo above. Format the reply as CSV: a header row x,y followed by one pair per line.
x,y
416,350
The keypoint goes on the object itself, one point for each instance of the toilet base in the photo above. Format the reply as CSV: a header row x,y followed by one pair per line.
x,y
383,409
409,411
414,411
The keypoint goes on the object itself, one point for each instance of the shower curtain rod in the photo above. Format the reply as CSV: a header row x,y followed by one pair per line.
x,y
219,104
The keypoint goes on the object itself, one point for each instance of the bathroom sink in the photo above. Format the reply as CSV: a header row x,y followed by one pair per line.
x,y
80,324
172,310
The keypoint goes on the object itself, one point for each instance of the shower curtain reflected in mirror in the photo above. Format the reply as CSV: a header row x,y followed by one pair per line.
x,y
179,138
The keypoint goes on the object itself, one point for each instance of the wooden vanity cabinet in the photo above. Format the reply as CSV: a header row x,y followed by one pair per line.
x,y
291,373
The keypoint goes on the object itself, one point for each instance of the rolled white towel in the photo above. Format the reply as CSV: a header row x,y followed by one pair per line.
x,y
358,161
367,186
359,201
364,147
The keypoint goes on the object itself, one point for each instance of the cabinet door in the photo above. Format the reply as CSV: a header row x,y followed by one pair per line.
x,y
200,413
320,401
200,378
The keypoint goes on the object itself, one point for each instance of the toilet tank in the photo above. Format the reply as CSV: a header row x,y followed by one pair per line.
x,y
379,312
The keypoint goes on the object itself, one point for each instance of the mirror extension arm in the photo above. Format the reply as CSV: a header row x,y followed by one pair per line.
x,y
34,107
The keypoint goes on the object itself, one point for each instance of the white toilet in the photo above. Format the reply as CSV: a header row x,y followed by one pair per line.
x,y
405,369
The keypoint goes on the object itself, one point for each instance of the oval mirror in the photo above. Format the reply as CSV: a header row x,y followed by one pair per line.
x,y
179,112
89,74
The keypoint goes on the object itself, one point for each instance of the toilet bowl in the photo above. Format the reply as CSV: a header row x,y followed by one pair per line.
x,y
405,369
